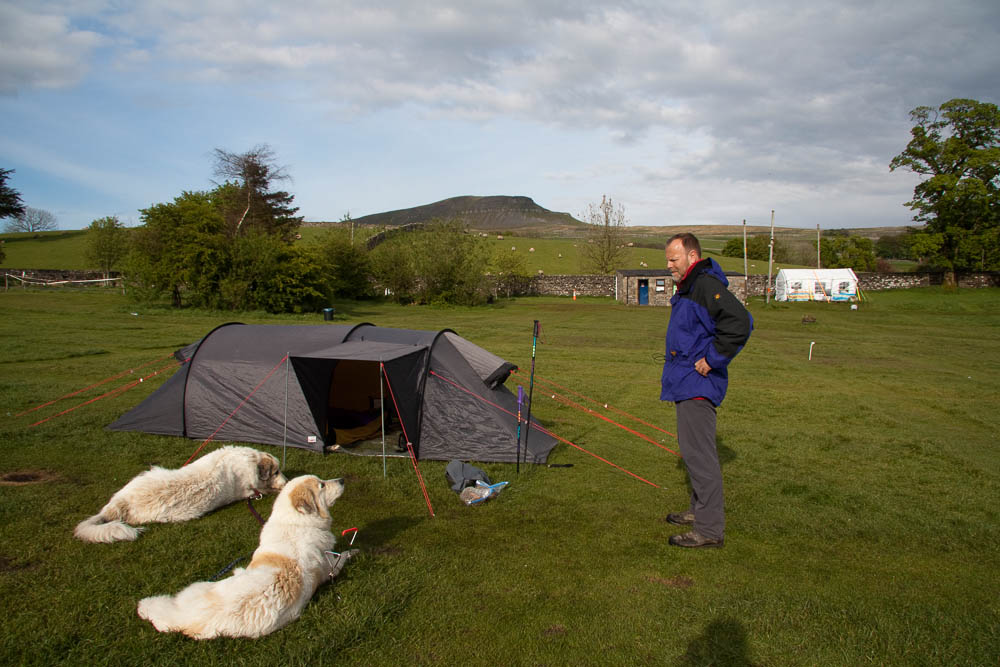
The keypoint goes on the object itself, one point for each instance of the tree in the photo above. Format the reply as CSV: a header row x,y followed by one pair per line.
x,y
11,205
847,252
449,264
441,263
957,148
605,248
184,251
510,270
346,264
32,220
180,251
394,270
895,246
248,203
757,248
262,272
107,243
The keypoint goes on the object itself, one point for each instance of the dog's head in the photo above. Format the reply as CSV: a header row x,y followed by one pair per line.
x,y
311,495
269,477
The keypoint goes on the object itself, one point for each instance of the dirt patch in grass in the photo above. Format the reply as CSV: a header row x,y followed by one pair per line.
x,y
554,631
8,565
22,477
672,582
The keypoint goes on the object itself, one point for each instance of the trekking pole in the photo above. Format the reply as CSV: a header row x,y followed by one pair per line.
x,y
520,400
531,387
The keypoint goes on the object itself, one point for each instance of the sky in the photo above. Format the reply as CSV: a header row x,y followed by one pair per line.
x,y
684,113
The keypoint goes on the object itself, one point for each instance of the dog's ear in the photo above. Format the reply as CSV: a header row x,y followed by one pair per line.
x,y
304,499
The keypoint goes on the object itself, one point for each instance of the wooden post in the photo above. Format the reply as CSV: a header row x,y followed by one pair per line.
x,y
818,264
746,272
770,259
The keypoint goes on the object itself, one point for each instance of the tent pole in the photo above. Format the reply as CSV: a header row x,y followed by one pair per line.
x,y
517,452
381,405
284,421
531,390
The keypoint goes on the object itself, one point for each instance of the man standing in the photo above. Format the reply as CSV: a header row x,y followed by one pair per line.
x,y
708,327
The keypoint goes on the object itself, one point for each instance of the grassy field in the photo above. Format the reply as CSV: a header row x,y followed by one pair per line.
x,y
862,488
45,250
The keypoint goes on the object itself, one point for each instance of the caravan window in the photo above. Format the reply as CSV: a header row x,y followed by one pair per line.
x,y
797,285
844,286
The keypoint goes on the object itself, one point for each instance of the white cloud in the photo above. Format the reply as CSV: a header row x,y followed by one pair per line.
x,y
694,102
41,50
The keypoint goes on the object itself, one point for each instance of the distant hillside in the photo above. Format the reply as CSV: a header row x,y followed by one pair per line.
x,y
496,213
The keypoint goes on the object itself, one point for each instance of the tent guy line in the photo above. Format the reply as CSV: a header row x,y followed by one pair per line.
x,y
96,384
114,392
242,403
409,444
549,433
583,408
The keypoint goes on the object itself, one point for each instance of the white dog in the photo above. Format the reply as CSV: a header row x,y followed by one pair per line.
x,y
164,496
285,571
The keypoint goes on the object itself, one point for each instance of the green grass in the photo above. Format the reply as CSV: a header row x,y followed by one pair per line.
x,y
862,488
45,250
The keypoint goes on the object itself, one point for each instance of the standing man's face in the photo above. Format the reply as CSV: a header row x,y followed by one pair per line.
x,y
679,260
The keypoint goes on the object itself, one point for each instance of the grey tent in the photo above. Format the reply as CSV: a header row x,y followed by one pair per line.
x,y
313,386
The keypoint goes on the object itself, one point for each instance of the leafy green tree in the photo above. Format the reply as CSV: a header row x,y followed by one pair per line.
x,y
509,269
957,149
11,205
180,251
450,264
895,246
347,265
847,252
394,269
265,273
757,248
107,243
605,247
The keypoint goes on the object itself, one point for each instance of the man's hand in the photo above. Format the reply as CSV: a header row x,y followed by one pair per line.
x,y
702,366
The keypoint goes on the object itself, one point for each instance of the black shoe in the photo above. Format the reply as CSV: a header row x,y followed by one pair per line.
x,y
694,540
681,518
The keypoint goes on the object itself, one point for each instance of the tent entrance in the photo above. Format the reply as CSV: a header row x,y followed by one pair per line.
x,y
359,410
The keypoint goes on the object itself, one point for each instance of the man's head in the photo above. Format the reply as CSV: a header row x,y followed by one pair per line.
x,y
683,250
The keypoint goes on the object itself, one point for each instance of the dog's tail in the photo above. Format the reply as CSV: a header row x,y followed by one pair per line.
x,y
99,529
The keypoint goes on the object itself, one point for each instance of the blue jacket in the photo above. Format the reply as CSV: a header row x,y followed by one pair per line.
x,y
706,320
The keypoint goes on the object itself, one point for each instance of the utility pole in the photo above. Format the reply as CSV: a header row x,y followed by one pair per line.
x,y
770,259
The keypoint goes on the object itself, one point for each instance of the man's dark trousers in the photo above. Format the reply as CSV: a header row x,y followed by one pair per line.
x,y
696,436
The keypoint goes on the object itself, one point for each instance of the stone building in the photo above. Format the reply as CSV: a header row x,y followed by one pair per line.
x,y
654,287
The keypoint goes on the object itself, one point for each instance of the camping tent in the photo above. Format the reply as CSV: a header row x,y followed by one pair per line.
x,y
316,386
816,285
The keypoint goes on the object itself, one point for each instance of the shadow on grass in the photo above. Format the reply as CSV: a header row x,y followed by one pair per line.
x,y
379,535
723,642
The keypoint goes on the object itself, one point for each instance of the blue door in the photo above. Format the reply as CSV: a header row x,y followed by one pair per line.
x,y
643,292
